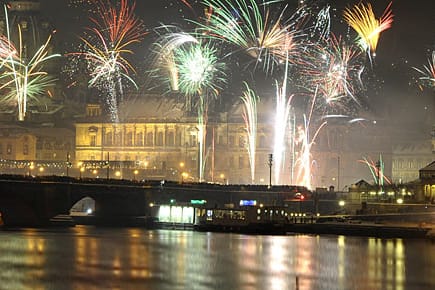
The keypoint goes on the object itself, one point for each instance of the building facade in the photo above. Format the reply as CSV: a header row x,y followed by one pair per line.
x,y
30,150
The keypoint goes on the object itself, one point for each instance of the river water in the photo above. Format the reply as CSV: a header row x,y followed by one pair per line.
x,y
86,257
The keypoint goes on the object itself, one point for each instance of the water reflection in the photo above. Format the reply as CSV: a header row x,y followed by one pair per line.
x,y
93,258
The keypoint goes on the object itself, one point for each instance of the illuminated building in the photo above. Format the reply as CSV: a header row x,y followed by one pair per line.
x,y
427,178
156,136
47,148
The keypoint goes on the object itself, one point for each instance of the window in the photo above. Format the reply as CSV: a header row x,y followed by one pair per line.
x,y
159,139
108,139
118,139
9,149
231,141
129,139
241,162
25,149
220,140
150,141
171,139
93,140
1,148
193,140
139,139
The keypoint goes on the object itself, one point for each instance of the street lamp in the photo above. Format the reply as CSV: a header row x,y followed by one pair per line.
x,y
135,172
82,169
270,163
184,175
41,170
31,167
301,198
222,176
118,173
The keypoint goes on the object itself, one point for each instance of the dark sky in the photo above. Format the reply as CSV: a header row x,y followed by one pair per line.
x,y
412,34
408,43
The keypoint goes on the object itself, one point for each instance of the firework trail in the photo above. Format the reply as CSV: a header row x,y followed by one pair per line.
x,y
428,72
164,48
363,20
283,107
322,26
250,100
201,75
114,30
377,170
243,24
305,142
22,76
334,70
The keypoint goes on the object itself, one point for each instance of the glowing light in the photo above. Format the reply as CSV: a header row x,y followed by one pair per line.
x,y
250,100
305,142
282,111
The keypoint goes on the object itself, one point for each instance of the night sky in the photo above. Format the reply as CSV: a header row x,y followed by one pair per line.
x,y
407,44
410,38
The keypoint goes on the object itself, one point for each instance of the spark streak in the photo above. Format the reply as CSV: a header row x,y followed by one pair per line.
x,y
113,32
243,24
23,75
428,72
283,106
201,75
250,100
363,20
377,170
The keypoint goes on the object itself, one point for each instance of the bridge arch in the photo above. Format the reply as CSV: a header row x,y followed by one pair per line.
x,y
86,205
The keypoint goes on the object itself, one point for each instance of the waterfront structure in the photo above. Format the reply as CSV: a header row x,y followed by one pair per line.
x,y
427,178
158,138
409,158
35,150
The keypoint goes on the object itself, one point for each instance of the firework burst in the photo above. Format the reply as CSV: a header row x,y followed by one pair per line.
x,y
428,72
201,76
114,30
22,76
363,20
248,27
163,50
334,70
200,71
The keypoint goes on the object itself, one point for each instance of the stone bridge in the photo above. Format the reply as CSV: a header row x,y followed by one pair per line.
x,y
32,201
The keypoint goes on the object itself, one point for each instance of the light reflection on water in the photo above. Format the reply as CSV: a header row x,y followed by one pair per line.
x,y
103,258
